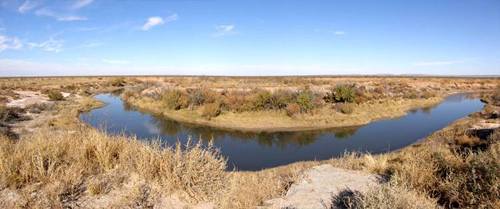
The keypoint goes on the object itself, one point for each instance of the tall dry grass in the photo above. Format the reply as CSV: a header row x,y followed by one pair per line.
x,y
59,164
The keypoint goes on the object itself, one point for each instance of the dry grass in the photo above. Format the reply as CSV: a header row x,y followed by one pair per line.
x,y
465,179
57,162
387,196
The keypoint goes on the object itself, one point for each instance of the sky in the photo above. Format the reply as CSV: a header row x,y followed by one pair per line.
x,y
249,37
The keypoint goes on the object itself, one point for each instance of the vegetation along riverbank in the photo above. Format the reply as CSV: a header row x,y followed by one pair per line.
x,y
50,159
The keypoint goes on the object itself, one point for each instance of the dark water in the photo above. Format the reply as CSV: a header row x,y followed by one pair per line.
x,y
254,151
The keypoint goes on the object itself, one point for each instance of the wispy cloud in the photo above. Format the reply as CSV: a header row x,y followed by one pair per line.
x,y
51,45
115,61
438,63
339,33
224,30
28,5
59,17
7,42
156,20
81,3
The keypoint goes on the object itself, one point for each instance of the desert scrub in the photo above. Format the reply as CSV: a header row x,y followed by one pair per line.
x,y
305,100
387,196
265,100
292,109
117,82
454,179
200,96
55,95
345,108
61,162
211,110
427,94
341,93
174,99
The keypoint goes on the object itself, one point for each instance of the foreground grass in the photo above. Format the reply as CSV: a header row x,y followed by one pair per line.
x,y
60,165
65,168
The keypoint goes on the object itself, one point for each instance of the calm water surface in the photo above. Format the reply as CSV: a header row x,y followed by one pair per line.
x,y
254,151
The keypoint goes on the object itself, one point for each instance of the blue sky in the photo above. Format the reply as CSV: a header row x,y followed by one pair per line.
x,y
249,37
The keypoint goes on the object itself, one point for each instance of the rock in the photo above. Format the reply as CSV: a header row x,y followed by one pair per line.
x,y
319,184
483,129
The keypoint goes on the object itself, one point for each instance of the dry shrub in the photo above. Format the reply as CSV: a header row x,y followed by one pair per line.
x,y
249,190
344,108
237,101
127,94
63,160
292,109
55,95
12,114
211,110
117,82
456,180
427,94
387,196
174,99
200,96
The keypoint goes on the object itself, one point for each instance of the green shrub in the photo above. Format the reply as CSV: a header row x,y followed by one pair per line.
x,y
55,95
211,110
305,100
262,100
341,93
292,109
265,100
174,99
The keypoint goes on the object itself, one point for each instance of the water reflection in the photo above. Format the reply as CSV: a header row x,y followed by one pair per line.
x,y
253,151
163,126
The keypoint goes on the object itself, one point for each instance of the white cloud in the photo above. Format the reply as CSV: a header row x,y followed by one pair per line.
x,y
49,13
115,62
152,21
28,5
7,42
81,3
438,63
339,33
156,20
224,30
51,45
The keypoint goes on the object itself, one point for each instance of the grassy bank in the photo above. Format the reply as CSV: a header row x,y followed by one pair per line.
x,y
287,103
271,120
